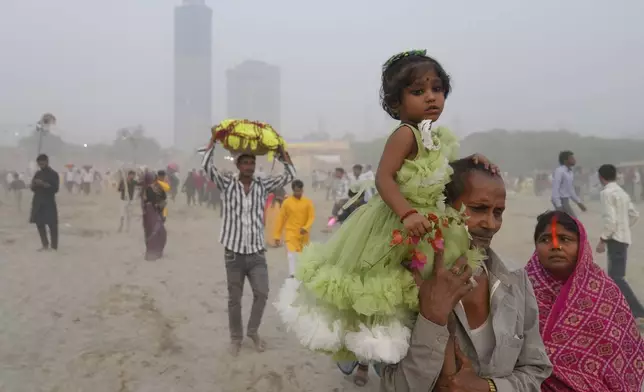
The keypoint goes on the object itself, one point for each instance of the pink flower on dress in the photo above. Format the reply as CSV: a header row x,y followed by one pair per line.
x,y
437,242
418,260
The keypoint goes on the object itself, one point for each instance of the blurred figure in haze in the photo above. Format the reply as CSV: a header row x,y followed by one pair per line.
x,y
16,187
368,180
190,187
153,201
126,188
87,179
637,185
173,178
69,179
162,179
340,191
200,184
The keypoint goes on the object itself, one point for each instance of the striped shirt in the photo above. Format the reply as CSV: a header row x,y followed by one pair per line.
x,y
242,230
618,213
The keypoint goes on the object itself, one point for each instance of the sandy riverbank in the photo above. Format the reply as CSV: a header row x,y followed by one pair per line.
x,y
96,317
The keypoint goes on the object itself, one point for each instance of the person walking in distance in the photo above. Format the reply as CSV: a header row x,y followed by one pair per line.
x,y
87,180
190,187
618,216
16,187
126,188
294,224
69,179
242,235
44,212
563,188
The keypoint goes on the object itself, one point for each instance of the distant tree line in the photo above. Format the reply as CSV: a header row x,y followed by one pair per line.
x,y
136,150
522,152
120,149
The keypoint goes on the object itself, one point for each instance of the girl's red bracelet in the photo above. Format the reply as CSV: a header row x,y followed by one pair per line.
x,y
407,215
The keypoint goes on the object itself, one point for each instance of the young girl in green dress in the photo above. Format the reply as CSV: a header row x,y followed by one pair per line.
x,y
354,296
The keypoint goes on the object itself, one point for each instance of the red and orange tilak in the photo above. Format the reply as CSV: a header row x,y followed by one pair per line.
x,y
553,233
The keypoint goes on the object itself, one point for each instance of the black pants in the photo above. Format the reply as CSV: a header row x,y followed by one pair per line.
x,y
53,232
617,255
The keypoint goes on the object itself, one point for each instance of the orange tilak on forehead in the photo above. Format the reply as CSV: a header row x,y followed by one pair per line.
x,y
553,231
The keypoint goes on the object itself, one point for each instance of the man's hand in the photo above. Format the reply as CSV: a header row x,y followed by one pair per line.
x,y
601,247
439,294
465,380
303,231
283,155
582,207
278,242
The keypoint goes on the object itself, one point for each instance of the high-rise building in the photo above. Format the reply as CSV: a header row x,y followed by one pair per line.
x,y
254,92
192,74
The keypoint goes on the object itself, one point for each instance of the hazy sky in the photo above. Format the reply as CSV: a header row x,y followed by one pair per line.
x,y
101,65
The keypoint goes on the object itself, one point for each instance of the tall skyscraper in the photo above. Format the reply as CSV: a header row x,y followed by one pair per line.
x,y
192,74
254,92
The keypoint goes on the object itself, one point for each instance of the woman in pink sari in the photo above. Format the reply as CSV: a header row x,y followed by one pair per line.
x,y
587,327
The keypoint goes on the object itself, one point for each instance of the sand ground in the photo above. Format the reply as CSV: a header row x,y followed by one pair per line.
x,y
96,317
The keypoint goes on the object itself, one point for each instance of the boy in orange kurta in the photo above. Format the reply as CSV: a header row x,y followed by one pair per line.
x,y
295,220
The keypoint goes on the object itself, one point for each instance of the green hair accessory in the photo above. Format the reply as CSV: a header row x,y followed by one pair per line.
x,y
402,55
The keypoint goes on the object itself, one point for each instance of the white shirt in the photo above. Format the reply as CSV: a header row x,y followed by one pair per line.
x,y
88,176
353,180
69,176
618,213
368,176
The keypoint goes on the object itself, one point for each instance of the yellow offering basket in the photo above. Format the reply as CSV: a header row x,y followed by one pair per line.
x,y
247,137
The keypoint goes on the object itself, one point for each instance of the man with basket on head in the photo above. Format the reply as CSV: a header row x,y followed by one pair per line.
x,y
242,232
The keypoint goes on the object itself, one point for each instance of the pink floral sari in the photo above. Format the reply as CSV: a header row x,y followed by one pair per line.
x,y
587,327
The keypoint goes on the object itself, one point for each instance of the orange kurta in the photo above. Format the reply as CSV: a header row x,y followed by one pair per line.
x,y
166,188
271,216
295,214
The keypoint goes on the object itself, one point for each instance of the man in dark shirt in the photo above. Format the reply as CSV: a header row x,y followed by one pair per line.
x,y
44,212
126,188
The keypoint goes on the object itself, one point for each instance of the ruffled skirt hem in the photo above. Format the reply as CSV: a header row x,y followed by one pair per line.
x,y
317,329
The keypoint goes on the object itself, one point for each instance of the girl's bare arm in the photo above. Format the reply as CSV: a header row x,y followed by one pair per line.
x,y
401,145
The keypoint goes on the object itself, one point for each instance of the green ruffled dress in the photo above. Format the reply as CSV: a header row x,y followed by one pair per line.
x,y
352,297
